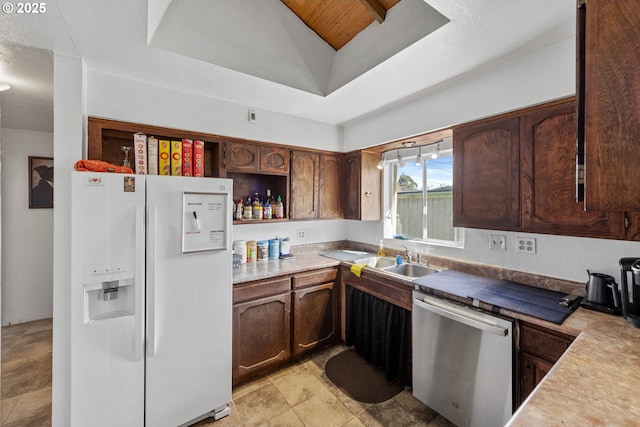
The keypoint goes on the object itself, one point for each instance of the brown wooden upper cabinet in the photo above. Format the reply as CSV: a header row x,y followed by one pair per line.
x,y
362,186
316,185
547,146
486,168
516,172
608,65
304,184
253,158
330,189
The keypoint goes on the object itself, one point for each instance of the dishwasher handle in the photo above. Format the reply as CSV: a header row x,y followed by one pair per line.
x,y
460,315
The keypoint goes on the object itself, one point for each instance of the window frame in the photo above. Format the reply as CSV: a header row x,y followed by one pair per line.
x,y
389,199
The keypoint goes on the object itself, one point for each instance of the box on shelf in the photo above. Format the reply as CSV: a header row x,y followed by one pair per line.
x,y
140,153
152,155
176,158
198,158
187,157
164,161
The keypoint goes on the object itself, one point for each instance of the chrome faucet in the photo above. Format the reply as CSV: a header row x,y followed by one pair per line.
x,y
407,253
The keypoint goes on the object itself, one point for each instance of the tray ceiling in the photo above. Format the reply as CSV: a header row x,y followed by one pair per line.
x,y
267,39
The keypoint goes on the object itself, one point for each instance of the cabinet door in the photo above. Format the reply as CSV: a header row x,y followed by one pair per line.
x,y
612,105
486,168
330,186
370,187
351,202
241,157
274,160
314,317
532,371
547,143
304,184
362,188
261,334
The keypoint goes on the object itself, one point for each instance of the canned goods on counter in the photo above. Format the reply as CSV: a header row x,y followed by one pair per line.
x,y
252,251
240,247
274,248
263,250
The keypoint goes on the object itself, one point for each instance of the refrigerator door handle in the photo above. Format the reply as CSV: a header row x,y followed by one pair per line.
x,y
151,282
138,345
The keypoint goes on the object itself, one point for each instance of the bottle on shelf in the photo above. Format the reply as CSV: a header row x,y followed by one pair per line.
x,y
239,210
257,207
248,209
268,206
279,208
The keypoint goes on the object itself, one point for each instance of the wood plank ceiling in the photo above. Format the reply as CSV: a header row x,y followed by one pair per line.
x,y
339,21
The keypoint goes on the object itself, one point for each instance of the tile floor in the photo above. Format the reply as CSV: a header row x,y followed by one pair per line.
x,y
296,395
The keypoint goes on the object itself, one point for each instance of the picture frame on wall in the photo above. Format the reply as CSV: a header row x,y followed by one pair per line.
x,y
40,182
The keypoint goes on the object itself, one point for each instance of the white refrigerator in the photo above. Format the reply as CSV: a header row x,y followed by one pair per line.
x,y
151,299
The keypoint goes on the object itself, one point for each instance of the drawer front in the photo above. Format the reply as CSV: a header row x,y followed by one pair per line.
x,y
316,277
264,288
542,343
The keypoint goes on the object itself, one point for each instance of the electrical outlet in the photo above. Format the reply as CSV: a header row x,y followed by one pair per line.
x,y
302,234
526,245
498,242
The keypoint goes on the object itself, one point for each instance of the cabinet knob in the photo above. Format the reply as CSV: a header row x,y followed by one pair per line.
x,y
368,193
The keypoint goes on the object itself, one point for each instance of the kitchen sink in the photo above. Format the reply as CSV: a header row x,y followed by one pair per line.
x,y
410,270
376,261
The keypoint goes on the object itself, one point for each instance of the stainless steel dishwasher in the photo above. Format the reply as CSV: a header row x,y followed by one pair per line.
x,y
462,362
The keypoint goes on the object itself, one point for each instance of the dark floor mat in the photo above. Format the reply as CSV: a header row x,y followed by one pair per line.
x,y
360,380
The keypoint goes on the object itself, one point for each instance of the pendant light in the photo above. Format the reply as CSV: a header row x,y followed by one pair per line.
x,y
436,153
400,160
419,157
380,164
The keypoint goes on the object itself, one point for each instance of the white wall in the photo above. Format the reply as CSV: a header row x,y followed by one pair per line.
x,y
138,102
27,234
314,231
69,117
544,75
541,76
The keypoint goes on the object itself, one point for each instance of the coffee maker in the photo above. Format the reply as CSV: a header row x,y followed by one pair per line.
x,y
602,294
630,289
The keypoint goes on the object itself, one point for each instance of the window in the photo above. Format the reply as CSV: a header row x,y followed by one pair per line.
x,y
419,195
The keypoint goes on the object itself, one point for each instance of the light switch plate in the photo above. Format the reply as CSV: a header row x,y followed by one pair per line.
x,y
497,242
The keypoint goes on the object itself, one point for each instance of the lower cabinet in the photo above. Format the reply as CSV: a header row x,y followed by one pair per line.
x,y
277,319
261,326
540,348
315,314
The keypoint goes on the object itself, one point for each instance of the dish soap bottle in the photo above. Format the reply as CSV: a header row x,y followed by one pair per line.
x,y
381,251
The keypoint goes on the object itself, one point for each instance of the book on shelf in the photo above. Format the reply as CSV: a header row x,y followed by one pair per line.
x,y
198,158
164,157
187,157
176,158
140,153
152,155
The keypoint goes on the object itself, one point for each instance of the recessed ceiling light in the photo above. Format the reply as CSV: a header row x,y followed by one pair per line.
x,y
4,86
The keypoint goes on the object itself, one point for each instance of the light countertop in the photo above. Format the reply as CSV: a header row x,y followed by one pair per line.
x,y
260,270
596,382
